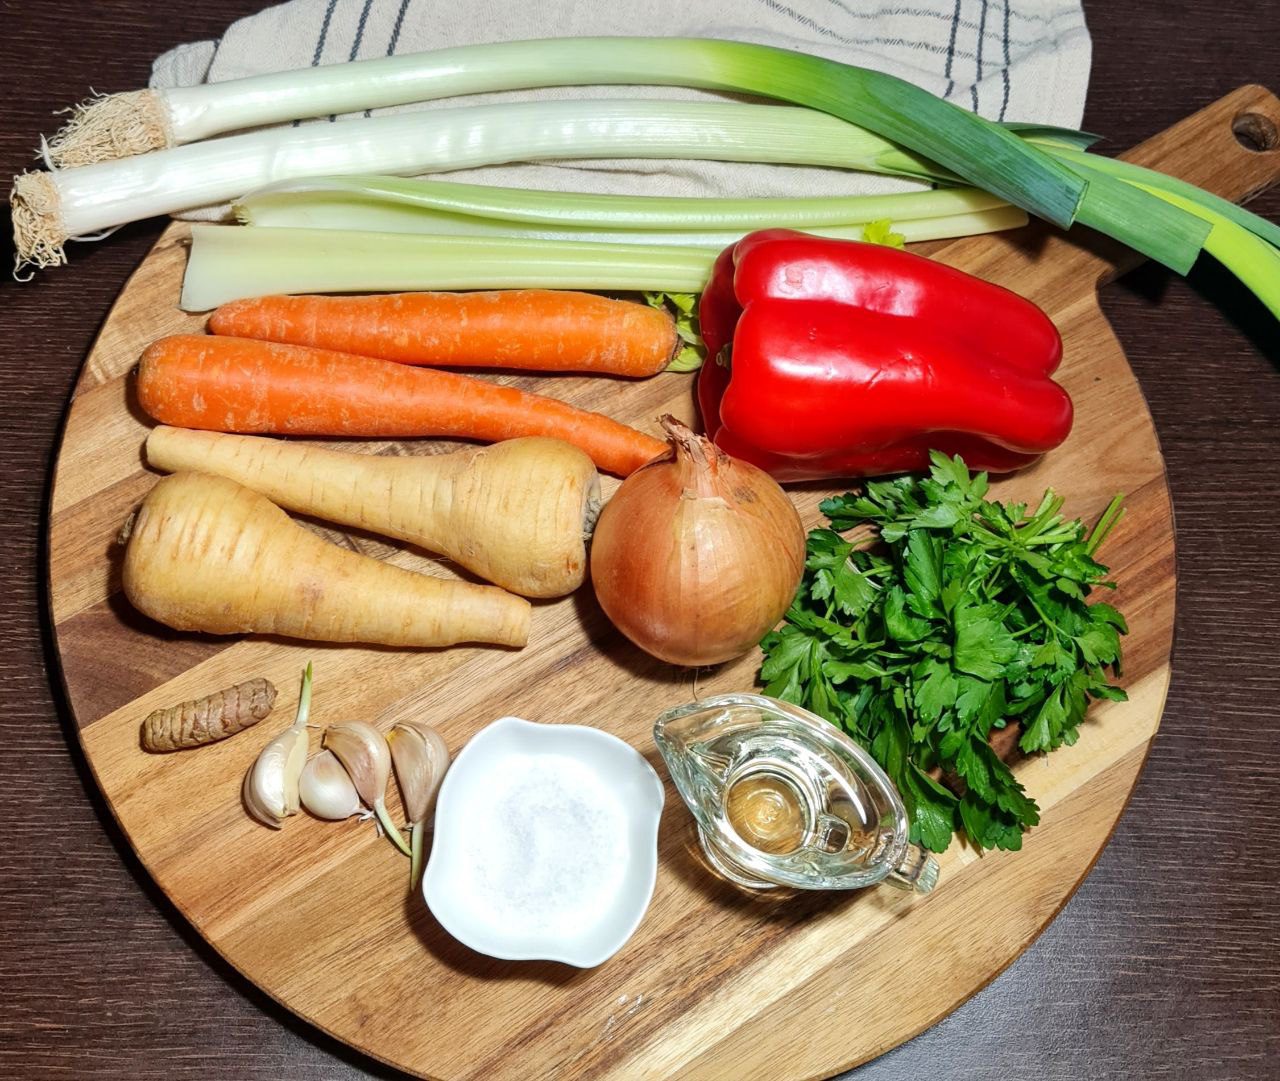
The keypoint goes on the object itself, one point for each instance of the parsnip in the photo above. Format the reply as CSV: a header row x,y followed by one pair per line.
x,y
206,554
516,513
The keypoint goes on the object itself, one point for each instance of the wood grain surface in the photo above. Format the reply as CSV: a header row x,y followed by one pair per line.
x,y
1153,970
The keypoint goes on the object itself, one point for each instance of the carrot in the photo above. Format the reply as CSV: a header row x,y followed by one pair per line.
x,y
206,554
517,513
539,329
239,385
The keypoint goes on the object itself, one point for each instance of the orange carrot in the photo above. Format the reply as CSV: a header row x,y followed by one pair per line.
x,y
239,385
538,329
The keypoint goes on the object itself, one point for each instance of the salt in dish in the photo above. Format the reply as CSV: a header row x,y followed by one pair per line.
x,y
546,843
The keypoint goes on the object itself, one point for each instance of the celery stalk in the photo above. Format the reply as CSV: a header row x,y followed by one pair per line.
x,y
231,262
332,194
361,215
416,207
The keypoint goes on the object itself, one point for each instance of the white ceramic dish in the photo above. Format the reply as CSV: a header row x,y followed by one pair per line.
x,y
546,843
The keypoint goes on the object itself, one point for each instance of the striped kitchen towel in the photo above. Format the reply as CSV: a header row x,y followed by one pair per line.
x,y
1006,59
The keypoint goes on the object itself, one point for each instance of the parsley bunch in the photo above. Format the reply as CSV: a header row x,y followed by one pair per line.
x,y
968,614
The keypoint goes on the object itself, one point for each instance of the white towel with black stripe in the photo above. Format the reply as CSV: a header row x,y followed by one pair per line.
x,y
1006,59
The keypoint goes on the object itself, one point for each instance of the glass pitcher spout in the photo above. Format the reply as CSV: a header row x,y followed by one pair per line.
x,y
784,799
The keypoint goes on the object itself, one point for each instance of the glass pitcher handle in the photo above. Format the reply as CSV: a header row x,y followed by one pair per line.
x,y
916,871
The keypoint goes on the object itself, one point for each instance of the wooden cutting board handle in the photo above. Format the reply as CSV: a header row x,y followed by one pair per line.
x,y
1230,148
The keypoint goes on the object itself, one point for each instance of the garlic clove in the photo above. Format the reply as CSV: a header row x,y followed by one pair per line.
x,y
326,789
421,757
364,753
270,790
271,785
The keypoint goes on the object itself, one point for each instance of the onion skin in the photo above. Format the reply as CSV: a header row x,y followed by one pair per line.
x,y
698,555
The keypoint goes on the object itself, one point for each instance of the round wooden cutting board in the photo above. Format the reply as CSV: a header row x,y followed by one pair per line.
x,y
713,984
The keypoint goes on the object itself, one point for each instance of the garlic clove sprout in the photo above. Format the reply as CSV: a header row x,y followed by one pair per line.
x,y
270,790
421,757
326,789
364,753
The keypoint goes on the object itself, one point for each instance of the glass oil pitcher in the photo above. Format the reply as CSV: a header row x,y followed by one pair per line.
x,y
784,799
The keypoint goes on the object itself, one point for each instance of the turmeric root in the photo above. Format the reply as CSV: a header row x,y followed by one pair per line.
x,y
208,719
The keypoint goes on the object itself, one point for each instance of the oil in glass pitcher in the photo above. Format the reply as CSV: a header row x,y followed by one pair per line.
x,y
782,798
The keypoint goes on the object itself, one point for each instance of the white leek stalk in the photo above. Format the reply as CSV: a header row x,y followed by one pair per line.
x,y
231,262
50,208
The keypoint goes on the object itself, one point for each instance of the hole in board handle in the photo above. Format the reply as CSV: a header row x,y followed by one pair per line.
x,y
1255,132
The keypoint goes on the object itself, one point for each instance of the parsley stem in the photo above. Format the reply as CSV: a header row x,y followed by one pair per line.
x,y
1050,624
1105,524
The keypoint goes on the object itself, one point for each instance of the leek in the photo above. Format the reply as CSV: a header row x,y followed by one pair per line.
x,y
1244,252
1158,183
231,262
50,208
1254,262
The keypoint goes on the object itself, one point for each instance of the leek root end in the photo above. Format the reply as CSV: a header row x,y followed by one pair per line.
x,y
38,229
110,126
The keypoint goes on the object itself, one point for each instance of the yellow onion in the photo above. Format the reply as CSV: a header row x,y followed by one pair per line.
x,y
698,555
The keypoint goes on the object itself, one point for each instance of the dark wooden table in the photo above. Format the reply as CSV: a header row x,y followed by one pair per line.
x,y
1165,964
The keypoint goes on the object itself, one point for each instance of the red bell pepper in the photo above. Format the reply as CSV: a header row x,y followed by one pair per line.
x,y
834,358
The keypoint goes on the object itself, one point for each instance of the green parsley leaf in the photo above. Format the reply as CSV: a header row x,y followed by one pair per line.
x,y
922,570
983,645
932,809
936,691
898,623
